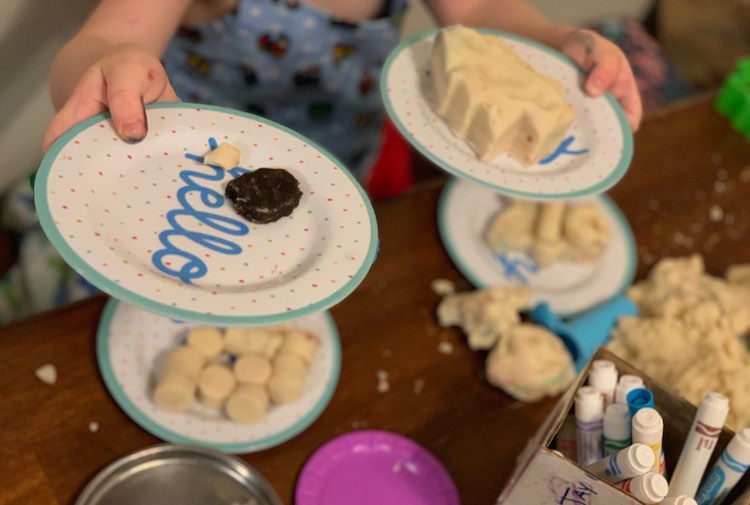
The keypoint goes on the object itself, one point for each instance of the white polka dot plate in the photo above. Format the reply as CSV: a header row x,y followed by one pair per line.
x,y
569,287
148,223
130,345
593,156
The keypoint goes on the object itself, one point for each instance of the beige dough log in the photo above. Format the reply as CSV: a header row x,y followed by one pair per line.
x,y
289,364
207,340
301,343
215,384
252,369
550,221
185,361
247,404
246,340
225,156
285,387
174,393
512,229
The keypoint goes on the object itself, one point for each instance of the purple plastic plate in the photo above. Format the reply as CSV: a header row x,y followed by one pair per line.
x,y
372,468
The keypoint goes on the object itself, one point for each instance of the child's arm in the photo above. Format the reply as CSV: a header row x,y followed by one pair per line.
x,y
113,63
605,64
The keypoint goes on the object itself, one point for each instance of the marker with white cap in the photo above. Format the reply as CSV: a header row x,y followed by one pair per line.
x,y
727,471
589,412
603,377
648,428
626,464
678,500
616,428
700,443
649,487
625,385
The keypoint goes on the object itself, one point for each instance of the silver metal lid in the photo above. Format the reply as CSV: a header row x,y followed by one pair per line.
x,y
179,474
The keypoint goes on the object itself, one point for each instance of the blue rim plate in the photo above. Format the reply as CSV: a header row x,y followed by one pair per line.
x,y
464,211
148,223
595,154
130,341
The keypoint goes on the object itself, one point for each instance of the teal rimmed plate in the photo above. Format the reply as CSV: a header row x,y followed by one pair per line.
x,y
129,344
464,211
594,155
148,223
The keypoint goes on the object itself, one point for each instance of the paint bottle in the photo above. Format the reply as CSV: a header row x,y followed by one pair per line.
x,y
626,464
589,412
616,428
648,428
699,445
649,487
625,385
727,471
603,377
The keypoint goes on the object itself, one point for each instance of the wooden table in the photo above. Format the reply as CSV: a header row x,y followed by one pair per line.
x,y
687,162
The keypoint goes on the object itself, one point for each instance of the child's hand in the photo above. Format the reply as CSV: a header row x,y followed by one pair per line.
x,y
122,82
607,69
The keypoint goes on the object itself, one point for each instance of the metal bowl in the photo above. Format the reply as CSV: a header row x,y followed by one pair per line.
x,y
184,474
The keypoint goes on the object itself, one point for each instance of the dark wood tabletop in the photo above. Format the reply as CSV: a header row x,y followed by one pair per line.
x,y
687,161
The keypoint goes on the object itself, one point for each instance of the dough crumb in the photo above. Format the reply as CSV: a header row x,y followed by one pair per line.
x,y
47,373
716,213
443,287
445,347
418,386
93,426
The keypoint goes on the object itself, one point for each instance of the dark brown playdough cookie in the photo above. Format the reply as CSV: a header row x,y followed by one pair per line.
x,y
264,195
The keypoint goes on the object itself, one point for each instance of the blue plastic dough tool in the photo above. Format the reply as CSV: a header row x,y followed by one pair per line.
x,y
584,334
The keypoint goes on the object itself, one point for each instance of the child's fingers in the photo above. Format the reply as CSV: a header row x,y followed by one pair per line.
x,y
626,92
602,75
86,100
126,89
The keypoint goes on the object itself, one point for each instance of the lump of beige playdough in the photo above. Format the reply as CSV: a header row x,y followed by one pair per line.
x,y
207,340
301,343
689,333
184,360
225,156
549,231
484,315
174,393
215,384
252,369
247,404
493,99
529,363
47,373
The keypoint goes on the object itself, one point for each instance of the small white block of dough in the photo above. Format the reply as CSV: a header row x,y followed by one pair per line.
x,y
246,340
247,404
93,426
207,340
47,373
301,343
286,363
174,393
184,360
252,369
225,156
215,384
285,388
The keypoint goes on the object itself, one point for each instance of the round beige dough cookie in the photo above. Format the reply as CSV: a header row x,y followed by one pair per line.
x,y
252,369
285,388
247,404
301,343
246,340
174,393
286,363
215,384
207,340
184,360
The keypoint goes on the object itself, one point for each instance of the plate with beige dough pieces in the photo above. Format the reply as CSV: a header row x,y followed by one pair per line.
x,y
505,112
236,389
217,216
572,254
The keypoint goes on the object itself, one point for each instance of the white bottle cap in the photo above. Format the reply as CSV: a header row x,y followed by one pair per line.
x,y
616,422
640,458
625,385
713,410
648,426
603,376
739,447
678,500
589,404
649,487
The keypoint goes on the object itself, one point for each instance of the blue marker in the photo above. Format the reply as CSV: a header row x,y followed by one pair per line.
x,y
727,470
